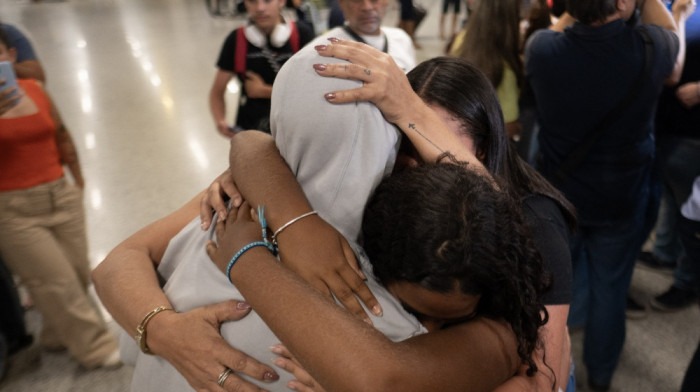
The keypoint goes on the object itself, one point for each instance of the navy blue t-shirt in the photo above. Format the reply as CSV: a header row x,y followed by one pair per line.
x,y
577,77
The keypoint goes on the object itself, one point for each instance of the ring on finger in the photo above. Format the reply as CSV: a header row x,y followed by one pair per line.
x,y
223,376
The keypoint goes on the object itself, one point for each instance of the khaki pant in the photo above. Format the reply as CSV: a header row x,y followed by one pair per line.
x,y
43,241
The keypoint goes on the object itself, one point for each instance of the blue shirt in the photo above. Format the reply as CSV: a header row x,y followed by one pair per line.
x,y
577,77
20,42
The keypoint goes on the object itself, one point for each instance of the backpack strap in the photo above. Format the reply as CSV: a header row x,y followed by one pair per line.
x,y
294,36
241,51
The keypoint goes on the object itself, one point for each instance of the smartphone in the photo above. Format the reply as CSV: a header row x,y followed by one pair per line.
x,y
8,73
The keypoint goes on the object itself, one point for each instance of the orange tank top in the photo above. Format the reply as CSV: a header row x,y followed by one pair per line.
x,y
28,150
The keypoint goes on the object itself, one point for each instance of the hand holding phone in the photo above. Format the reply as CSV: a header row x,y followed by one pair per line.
x,y
8,81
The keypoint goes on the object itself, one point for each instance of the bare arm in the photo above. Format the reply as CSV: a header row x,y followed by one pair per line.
x,y
654,12
369,361
217,104
30,69
127,284
566,20
386,86
310,247
66,148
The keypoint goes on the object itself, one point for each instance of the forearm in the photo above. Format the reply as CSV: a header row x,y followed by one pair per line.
x,y
311,326
30,69
69,155
431,137
263,178
555,361
654,12
679,18
126,281
127,285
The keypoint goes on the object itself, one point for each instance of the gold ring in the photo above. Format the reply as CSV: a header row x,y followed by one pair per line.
x,y
223,376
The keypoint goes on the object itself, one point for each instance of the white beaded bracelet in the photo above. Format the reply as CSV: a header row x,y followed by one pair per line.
x,y
284,226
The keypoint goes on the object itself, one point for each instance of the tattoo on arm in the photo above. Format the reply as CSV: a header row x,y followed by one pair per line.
x,y
413,126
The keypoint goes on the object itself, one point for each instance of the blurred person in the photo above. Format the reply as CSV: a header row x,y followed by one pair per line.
x,y
363,23
678,142
456,6
254,54
600,74
491,41
42,223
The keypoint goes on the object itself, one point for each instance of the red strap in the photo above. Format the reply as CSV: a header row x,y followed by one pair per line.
x,y
294,37
241,51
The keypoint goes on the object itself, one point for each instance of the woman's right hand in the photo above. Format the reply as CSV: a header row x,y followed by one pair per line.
x,y
7,103
384,83
192,343
213,200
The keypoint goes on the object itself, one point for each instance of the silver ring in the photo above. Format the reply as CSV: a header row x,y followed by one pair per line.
x,y
223,376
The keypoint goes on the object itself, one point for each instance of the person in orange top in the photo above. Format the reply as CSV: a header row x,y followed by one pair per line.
x,y
42,223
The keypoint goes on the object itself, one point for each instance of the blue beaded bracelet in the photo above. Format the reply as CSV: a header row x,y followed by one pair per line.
x,y
239,254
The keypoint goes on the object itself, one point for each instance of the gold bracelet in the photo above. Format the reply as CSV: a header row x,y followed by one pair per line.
x,y
141,329
284,226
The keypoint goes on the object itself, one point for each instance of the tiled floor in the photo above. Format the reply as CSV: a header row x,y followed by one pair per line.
x,y
131,78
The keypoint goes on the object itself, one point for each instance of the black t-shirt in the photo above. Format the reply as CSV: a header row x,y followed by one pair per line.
x,y
551,237
266,62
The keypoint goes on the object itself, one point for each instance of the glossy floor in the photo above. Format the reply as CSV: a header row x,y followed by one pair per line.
x,y
131,78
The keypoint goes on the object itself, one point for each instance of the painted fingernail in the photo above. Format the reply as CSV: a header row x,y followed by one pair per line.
x,y
377,310
243,306
334,40
320,67
330,96
204,226
276,349
320,47
271,376
279,361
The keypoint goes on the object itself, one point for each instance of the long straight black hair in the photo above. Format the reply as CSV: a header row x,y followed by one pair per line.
x,y
462,90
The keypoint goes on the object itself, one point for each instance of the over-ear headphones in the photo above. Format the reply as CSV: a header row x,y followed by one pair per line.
x,y
279,36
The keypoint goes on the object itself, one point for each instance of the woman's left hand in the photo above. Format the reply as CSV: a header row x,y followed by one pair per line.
x,y
384,83
304,382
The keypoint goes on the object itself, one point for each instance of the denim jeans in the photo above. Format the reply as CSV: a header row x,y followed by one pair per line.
x,y
603,255
681,167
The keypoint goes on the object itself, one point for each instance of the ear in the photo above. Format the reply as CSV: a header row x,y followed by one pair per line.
x,y
624,5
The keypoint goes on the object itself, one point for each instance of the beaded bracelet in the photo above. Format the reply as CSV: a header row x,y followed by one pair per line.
x,y
239,254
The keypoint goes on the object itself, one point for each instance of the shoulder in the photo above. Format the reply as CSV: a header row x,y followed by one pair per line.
x,y
661,37
400,47
541,207
540,40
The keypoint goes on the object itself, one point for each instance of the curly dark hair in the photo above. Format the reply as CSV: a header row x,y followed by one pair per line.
x,y
443,226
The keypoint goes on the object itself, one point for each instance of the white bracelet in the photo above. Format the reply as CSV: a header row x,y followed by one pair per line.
x,y
284,226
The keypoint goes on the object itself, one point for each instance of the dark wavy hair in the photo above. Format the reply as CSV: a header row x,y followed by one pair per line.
x,y
462,90
443,227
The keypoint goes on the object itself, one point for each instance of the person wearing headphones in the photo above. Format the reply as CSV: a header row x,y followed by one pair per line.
x,y
254,54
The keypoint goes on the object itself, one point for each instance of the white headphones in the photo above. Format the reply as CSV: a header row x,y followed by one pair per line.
x,y
279,36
